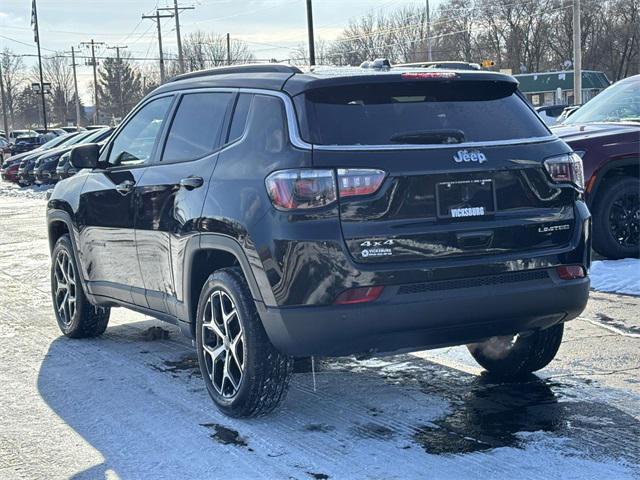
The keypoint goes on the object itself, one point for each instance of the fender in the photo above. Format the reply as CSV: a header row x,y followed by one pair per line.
x,y
64,217
601,173
214,241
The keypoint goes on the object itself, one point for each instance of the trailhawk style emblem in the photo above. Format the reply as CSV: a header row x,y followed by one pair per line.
x,y
470,156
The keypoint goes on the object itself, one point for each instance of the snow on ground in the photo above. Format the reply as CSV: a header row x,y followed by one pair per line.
x,y
619,276
34,191
124,406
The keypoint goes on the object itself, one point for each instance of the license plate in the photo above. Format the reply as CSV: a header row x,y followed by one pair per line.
x,y
465,198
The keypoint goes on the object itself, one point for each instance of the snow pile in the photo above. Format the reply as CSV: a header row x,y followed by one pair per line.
x,y
619,276
34,191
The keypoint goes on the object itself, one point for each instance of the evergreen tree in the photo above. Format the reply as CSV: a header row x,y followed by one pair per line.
x,y
119,87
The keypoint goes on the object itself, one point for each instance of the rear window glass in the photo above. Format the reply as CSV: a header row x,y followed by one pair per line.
x,y
423,112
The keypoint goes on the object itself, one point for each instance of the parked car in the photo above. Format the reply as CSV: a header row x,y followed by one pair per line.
x,y
65,169
45,168
12,171
96,127
550,113
14,134
9,170
272,214
26,170
566,113
606,130
42,148
73,129
5,150
27,143
447,65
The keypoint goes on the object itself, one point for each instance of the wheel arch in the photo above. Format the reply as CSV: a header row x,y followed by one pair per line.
x,y
617,168
60,223
205,254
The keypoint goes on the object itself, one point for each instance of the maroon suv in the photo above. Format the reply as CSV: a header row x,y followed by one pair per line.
x,y
606,133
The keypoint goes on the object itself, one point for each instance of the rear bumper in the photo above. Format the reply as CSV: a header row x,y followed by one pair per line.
x,y
419,316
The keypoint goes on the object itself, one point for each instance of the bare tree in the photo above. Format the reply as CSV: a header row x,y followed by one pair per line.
x,y
13,74
205,50
58,72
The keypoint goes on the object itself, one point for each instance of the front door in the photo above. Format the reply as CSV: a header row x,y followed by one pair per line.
x,y
107,209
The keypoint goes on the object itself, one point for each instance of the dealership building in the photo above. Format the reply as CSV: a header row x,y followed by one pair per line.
x,y
551,88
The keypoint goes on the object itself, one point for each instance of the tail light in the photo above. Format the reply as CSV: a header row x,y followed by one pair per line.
x,y
312,188
359,295
570,272
566,168
359,181
301,189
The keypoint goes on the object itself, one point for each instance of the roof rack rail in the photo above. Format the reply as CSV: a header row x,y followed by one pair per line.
x,y
248,68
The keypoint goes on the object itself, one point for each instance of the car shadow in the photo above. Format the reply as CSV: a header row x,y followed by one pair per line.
x,y
140,402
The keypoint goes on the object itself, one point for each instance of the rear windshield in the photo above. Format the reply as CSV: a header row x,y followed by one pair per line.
x,y
416,112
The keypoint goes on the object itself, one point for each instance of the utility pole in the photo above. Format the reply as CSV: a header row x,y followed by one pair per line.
x,y
176,13
75,85
119,69
157,18
94,64
228,49
429,56
312,47
577,54
4,105
36,31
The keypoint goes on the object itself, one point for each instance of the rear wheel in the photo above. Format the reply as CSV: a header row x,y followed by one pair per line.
x,y
244,374
616,219
76,317
518,355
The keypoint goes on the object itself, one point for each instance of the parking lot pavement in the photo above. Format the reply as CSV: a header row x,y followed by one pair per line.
x,y
132,405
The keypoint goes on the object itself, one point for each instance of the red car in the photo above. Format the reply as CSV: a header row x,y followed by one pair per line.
x,y
9,170
606,133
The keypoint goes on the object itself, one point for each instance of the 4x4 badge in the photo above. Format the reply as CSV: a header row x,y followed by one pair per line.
x,y
470,156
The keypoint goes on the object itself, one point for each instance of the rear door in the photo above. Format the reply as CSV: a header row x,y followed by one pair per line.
x,y
106,211
463,164
170,196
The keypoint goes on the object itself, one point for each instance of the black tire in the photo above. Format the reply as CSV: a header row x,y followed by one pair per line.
x,y
259,372
519,355
604,239
83,320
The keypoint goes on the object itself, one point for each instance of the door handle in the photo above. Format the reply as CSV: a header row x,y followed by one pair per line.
x,y
125,187
191,182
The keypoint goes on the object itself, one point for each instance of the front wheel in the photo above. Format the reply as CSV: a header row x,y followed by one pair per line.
x,y
76,316
616,219
244,374
513,356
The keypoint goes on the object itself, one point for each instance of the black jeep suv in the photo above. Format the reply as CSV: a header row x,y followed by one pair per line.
x,y
274,214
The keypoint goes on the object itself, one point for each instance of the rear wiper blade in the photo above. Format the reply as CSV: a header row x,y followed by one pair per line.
x,y
430,137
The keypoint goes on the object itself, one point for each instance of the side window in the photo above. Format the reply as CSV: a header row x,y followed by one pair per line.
x,y
134,143
240,114
197,125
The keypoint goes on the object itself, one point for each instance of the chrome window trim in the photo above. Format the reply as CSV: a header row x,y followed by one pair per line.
x,y
458,146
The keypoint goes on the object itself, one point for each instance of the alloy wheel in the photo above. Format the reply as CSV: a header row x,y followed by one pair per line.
x,y
223,344
64,287
624,219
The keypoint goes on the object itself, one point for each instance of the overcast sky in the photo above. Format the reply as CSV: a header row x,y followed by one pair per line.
x,y
271,27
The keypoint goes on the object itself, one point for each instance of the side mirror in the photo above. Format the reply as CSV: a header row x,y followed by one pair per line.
x,y
85,156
